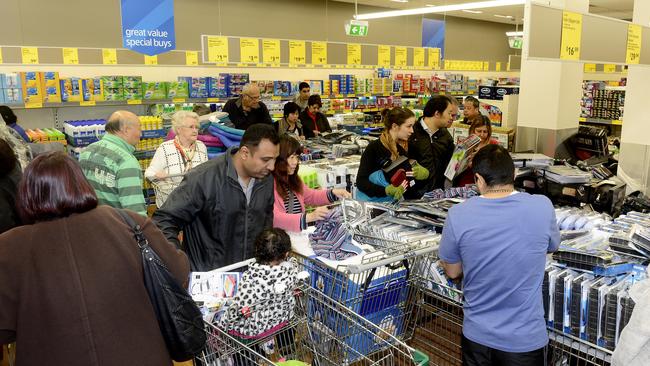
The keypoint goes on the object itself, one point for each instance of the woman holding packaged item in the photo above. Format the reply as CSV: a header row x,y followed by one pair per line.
x,y
291,194
372,182
482,128
72,288
184,152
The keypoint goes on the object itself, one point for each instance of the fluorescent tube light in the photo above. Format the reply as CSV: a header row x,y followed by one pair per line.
x,y
503,16
400,1
472,11
515,34
439,9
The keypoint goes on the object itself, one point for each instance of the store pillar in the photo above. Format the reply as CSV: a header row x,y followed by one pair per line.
x,y
549,100
634,158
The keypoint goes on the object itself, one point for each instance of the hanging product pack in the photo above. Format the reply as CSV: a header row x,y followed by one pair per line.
x,y
180,320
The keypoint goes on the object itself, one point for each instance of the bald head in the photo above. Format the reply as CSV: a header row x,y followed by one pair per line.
x,y
126,125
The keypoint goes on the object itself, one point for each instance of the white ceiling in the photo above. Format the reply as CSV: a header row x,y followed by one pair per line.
x,y
620,9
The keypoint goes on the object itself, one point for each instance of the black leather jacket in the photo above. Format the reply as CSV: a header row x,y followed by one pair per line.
x,y
209,206
432,153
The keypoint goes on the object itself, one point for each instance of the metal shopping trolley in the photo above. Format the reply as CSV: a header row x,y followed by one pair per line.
x,y
321,331
164,187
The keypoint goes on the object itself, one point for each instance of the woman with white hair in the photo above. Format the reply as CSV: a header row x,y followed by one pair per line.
x,y
181,154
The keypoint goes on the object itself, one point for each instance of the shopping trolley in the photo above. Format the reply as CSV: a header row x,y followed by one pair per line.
x,y
164,187
321,331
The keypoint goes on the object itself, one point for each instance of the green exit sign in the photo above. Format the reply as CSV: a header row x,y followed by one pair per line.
x,y
515,42
356,28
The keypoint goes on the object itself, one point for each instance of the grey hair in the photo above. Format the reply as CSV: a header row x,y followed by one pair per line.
x,y
247,88
179,117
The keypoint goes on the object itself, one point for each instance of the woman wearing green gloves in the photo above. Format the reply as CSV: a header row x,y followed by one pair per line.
x,y
375,175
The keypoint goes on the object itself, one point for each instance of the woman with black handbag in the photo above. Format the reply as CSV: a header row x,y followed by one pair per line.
x,y
72,278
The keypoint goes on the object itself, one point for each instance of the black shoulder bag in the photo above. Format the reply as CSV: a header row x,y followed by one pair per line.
x,y
180,320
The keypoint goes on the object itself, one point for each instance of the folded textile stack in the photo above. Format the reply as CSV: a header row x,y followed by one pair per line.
x,y
454,192
229,136
331,239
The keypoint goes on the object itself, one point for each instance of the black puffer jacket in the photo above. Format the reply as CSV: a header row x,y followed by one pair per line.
x,y
209,206
432,153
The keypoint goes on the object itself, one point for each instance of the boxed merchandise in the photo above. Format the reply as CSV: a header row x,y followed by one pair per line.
x,y
71,89
218,87
51,87
32,83
91,89
12,95
316,86
177,89
236,84
132,82
281,88
154,90
266,88
198,86
113,94
112,82
10,80
132,93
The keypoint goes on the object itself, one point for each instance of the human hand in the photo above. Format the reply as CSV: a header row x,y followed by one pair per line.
x,y
318,214
341,193
161,175
395,192
420,172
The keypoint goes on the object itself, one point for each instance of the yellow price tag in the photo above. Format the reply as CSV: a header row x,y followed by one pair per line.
x,y
34,104
590,68
191,58
582,119
217,49
213,100
249,49
70,56
609,68
275,97
271,51
617,122
383,56
150,60
571,35
29,55
109,56
87,103
354,54
178,100
134,101
498,66
1,60
297,52
434,58
633,50
319,53
418,57
486,66
400,56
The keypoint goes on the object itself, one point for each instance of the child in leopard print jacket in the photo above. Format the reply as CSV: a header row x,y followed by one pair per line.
x,y
265,299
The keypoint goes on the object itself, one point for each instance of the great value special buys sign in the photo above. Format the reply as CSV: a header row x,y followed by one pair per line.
x,y
148,26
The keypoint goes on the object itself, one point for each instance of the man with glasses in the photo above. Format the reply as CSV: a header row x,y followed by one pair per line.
x,y
247,110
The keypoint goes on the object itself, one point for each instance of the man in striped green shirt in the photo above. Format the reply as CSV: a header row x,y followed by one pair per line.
x,y
110,166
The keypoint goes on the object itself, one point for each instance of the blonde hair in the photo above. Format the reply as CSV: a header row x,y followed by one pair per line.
x,y
179,117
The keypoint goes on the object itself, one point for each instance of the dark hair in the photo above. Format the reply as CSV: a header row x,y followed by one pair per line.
x,y
471,99
290,107
303,85
258,132
438,103
495,165
396,116
314,99
288,147
8,115
52,187
272,245
479,121
8,160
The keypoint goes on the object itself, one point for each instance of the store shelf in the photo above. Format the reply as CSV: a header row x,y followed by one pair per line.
x,y
599,121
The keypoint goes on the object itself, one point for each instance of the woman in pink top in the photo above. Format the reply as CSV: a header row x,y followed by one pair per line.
x,y
291,194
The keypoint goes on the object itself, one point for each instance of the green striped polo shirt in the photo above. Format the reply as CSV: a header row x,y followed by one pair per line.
x,y
114,173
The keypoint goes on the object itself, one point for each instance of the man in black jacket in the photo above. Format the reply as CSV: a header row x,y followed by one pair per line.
x,y
247,110
222,205
431,145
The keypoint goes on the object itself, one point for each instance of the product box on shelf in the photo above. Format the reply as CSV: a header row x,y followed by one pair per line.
x,y
132,93
112,81
32,83
496,92
113,94
154,90
71,89
316,86
51,87
177,89
281,88
198,86
92,89
132,82
266,88
12,95
10,80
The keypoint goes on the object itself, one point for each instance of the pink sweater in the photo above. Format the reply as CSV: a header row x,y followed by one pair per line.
x,y
291,222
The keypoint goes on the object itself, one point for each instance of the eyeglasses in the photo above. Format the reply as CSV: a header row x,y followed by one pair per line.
x,y
257,97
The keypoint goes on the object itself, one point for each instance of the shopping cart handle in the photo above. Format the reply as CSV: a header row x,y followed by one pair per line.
x,y
358,268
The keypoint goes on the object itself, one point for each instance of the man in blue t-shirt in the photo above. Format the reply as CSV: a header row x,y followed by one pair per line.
x,y
498,242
